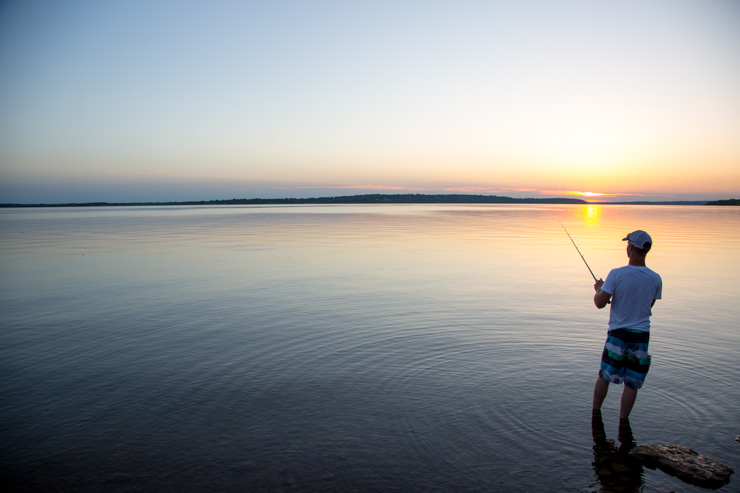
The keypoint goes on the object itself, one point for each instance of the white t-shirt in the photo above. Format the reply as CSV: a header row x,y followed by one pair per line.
x,y
633,290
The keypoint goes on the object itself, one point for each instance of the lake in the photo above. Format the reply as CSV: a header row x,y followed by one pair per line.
x,y
368,348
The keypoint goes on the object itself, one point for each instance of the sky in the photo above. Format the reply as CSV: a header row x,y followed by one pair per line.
x,y
154,100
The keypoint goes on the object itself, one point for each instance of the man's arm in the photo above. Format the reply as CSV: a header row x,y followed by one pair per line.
x,y
601,298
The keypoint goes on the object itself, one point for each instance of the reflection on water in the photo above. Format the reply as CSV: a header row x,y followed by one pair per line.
x,y
591,214
365,348
615,469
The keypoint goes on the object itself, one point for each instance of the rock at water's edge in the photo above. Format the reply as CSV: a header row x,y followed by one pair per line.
x,y
684,463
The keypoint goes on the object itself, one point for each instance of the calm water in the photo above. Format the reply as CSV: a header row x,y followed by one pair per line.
x,y
352,348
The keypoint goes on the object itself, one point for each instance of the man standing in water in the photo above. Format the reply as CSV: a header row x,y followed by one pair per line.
x,y
632,291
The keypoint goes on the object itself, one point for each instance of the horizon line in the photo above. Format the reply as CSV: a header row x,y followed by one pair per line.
x,y
378,198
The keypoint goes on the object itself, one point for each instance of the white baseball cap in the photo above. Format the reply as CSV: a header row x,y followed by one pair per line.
x,y
638,238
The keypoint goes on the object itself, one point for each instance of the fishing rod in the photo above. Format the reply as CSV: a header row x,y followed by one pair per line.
x,y
579,252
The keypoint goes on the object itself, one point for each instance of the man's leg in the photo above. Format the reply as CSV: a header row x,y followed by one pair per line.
x,y
628,400
600,389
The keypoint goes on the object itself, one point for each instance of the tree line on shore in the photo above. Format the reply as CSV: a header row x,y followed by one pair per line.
x,y
374,199
345,199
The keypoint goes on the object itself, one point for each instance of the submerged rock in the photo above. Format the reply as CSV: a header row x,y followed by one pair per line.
x,y
684,463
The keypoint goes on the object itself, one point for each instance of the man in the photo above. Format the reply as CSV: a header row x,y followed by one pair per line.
x,y
632,291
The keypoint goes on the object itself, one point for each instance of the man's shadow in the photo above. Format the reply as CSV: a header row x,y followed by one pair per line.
x,y
616,470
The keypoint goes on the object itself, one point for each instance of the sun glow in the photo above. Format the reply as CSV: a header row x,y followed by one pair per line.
x,y
578,193
591,214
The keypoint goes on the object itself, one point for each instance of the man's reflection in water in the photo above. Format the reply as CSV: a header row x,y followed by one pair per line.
x,y
616,470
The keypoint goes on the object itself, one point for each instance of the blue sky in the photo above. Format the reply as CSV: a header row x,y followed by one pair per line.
x,y
188,100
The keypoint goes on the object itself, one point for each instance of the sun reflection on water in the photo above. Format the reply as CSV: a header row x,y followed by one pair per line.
x,y
592,214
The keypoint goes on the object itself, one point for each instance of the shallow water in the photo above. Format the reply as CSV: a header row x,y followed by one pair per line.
x,y
351,348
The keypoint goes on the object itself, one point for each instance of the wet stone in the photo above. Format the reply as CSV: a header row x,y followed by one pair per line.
x,y
684,463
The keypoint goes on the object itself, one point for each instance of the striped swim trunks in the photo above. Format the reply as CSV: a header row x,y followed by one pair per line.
x,y
625,357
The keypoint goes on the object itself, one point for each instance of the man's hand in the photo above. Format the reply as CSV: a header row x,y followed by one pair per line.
x,y
597,286
601,298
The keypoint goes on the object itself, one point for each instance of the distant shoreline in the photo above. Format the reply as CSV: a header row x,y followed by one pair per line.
x,y
379,199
